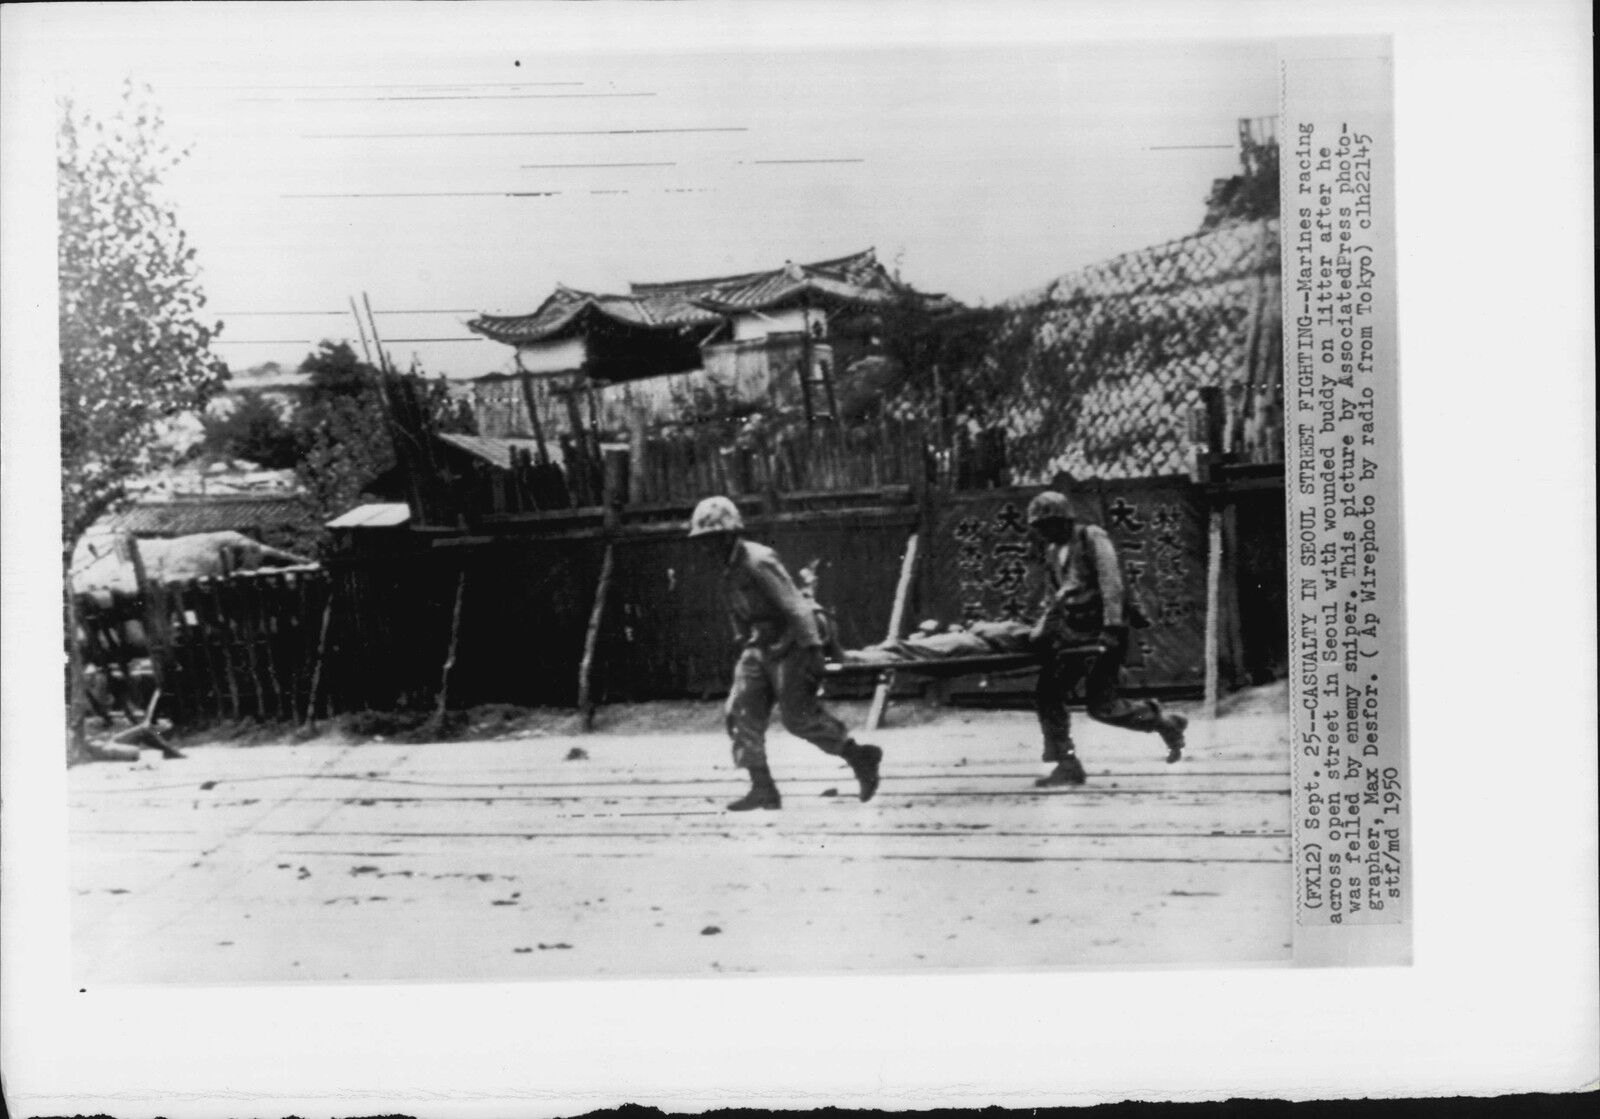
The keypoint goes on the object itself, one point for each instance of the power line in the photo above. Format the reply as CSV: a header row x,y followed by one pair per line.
x,y
570,166
346,311
307,341
541,132
447,97
435,194
396,85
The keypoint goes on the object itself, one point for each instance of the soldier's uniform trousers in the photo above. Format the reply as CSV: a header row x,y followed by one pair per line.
x,y
1064,666
791,680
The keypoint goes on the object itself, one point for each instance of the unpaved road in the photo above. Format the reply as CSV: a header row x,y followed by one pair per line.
x,y
495,860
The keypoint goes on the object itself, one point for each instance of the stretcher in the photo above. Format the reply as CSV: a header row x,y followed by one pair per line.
x,y
938,668
940,671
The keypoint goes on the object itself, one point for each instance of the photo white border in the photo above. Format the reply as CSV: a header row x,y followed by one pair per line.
x,y
1493,109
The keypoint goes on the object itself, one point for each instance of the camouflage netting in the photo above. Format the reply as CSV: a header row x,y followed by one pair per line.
x,y
1108,363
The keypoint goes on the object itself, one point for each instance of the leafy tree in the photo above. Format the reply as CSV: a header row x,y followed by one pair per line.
x,y
342,433
134,349
1250,195
941,354
342,438
255,429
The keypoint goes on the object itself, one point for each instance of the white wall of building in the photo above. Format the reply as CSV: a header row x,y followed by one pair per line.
x,y
553,357
747,328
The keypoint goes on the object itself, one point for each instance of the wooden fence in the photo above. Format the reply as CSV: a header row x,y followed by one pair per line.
x,y
504,616
679,468
244,646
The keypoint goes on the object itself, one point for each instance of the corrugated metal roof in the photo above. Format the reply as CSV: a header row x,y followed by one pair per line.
x,y
857,278
385,514
185,515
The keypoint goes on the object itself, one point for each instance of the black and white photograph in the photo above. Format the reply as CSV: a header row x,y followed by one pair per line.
x,y
546,502
594,526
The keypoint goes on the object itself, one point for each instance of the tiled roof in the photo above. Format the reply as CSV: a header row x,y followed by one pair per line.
x,y
565,311
857,278
184,515
496,452
1210,257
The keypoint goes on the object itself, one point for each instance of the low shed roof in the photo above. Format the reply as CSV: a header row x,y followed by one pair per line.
x,y
182,516
383,514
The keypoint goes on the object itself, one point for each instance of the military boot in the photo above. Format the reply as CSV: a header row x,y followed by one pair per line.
x,y
864,763
763,792
1171,731
1068,771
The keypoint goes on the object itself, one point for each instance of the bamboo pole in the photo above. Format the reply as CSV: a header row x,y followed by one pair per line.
x,y
591,639
360,329
897,614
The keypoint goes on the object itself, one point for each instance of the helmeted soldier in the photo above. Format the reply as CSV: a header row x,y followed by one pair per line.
x,y
780,661
1085,606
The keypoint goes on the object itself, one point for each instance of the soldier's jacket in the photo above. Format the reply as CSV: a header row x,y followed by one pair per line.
x,y
1083,580
763,602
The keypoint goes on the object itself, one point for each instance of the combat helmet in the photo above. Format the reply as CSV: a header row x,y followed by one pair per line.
x,y
715,514
1047,505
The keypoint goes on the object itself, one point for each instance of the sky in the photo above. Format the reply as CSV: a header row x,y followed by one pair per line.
x,y
446,167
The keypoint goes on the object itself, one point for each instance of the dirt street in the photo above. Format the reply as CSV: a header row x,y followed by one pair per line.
x,y
505,859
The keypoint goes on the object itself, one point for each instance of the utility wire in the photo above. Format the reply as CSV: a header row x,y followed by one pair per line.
x,y
540,132
447,97
393,85
442,311
572,166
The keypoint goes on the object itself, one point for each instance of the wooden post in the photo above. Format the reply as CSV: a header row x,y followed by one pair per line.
x,y
316,669
525,380
1213,619
78,740
769,466
450,652
614,489
581,477
591,639
805,364
897,614
155,632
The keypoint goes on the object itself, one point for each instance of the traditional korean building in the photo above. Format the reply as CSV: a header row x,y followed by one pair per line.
x,y
771,339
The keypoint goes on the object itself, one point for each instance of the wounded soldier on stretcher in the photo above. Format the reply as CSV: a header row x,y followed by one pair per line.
x,y
930,642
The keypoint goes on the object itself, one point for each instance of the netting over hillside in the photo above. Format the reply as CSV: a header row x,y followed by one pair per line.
x,y
1109,361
